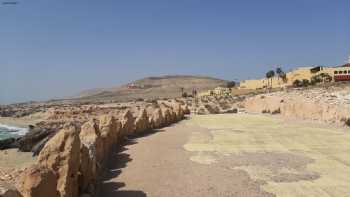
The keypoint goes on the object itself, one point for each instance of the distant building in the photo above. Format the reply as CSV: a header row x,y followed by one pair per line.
x,y
338,73
218,91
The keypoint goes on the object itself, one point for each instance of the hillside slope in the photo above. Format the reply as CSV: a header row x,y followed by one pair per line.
x,y
153,87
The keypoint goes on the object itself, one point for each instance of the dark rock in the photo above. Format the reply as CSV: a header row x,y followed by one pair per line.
x,y
8,143
33,137
40,145
231,111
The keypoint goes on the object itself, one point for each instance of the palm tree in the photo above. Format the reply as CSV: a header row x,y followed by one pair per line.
x,y
281,74
269,75
279,71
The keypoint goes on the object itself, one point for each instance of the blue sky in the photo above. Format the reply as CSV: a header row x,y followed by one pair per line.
x,y
51,49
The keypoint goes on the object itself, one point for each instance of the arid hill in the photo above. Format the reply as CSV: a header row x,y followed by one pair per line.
x,y
153,87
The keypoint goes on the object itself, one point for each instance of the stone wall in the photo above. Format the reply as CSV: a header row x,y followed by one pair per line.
x,y
71,161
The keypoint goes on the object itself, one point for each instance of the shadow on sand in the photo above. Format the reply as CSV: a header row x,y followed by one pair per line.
x,y
117,161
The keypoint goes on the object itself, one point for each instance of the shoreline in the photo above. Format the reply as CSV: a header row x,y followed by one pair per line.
x,y
17,122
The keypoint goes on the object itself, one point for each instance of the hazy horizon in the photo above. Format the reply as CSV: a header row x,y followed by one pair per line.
x,y
60,48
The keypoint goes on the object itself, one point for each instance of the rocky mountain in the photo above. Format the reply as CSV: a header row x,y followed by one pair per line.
x,y
168,86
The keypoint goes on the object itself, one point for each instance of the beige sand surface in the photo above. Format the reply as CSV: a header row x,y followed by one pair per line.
x,y
294,159
19,122
11,158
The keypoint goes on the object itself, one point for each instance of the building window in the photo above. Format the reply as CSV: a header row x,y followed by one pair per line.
x,y
340,72
345,71
335,72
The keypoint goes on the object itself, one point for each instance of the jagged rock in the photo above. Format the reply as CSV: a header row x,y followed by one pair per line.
x,y
37,181
128,124
155,117
109,128
8,190
40,145
186,109
61,154
212,108
141,122
166,115
34,136
178,111
202,111
91,153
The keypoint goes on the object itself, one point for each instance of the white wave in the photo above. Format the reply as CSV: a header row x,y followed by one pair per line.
x,y
16,130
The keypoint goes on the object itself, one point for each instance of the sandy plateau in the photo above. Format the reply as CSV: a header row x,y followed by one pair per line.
x,y
290,159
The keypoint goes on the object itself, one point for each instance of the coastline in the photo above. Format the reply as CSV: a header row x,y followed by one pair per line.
x,y
17,122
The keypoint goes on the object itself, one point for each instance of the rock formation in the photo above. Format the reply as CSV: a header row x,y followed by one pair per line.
x,y
39,182
61,154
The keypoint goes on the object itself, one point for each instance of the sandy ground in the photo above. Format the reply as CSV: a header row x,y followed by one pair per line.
x,y
12,163
233,155
18,122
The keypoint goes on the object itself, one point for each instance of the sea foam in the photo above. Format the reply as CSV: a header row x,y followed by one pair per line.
x,y
13,130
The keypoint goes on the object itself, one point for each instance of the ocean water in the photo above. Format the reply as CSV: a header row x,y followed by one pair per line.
x,y
7,131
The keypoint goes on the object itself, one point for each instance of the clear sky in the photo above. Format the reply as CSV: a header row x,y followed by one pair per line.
x,y
51,49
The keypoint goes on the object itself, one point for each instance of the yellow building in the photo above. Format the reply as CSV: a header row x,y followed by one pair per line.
x,y
219,91
340,73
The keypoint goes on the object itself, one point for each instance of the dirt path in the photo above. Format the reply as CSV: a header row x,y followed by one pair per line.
x,y
157,166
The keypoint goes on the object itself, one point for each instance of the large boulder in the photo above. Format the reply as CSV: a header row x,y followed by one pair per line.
x,y
109,128
128,123
186,109
178,111
37,181
91,155
212,108
8,190
166,113
61,154
141,121
8,143
33,137
155,117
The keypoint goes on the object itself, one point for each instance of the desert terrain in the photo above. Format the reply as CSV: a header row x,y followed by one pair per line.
x,y
290,142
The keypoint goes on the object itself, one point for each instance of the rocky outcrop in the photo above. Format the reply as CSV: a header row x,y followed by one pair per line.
x,y
128,123
61,155
8,143
39,182
142,123
155,115
213,105
73,158
313,104
167,115
109,128
91,155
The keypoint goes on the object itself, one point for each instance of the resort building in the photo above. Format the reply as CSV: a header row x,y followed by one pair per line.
x,y
328,74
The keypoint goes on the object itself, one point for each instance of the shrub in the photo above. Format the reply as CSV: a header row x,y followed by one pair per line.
x,y
297,83
265,111
346,121
231,84
305,83
277,111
